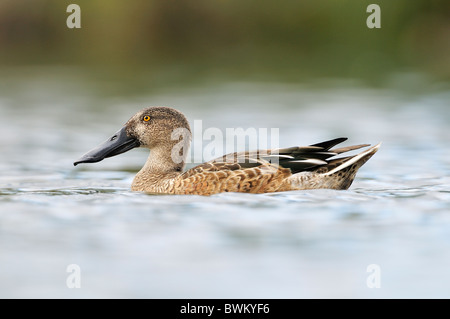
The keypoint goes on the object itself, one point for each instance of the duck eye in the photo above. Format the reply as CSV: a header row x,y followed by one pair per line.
x,y
146,118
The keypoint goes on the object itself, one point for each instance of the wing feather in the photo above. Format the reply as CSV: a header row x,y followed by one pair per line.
x,y
296,158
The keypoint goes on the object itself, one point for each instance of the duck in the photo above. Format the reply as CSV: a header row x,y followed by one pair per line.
x,y
315,166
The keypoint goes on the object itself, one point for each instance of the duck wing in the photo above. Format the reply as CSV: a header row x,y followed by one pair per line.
x,y
218,177
210,167
296,158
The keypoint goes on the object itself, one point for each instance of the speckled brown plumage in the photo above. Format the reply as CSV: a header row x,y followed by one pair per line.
x,y
263,171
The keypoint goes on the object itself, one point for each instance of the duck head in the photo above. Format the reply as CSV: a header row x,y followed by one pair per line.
x,y
160,129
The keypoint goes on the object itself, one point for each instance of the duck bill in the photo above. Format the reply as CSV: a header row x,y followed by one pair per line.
x,y
119,143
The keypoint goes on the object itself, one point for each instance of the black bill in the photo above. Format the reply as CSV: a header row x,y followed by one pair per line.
x,y
119,143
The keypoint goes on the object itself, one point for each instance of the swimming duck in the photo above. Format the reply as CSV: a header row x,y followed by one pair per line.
x,y
262,171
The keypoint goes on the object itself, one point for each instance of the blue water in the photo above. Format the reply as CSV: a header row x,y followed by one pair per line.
x,y
302,244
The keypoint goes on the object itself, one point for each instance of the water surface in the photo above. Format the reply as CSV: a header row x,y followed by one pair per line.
x,y
298,244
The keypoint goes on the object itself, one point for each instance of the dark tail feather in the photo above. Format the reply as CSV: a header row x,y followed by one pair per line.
x,y
329,144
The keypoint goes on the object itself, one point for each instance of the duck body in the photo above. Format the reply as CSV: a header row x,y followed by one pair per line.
x,y
261,171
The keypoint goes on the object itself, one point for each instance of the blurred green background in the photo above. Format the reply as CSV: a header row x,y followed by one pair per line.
x,y
186,41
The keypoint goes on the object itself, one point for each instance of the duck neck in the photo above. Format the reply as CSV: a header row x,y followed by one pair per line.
x,y
161,161
160,168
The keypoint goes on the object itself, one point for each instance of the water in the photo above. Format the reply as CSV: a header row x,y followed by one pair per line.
x,y
298,244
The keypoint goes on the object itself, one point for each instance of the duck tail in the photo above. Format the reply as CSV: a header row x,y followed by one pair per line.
x,y
344,170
